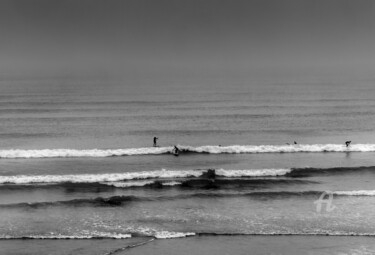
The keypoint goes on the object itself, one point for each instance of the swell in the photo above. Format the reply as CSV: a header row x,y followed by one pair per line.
x,y
116,201
208,149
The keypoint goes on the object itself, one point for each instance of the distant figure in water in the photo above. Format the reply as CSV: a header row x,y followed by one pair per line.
x,y
295,142
155,141
347,143
176,151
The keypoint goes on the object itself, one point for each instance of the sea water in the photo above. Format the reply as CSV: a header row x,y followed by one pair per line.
x,y
77,161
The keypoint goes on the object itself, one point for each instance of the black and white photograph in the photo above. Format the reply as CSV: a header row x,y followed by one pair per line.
x,y
187,127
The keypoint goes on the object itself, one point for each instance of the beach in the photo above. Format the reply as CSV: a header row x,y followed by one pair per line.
x,y
187,127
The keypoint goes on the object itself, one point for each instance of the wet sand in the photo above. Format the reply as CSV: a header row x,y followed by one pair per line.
x,y
208,245
65,247
257,245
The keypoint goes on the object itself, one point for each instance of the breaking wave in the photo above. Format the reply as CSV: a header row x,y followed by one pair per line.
x,y
208,149
104,235
172,234
355,193
109,179
172,177
95,235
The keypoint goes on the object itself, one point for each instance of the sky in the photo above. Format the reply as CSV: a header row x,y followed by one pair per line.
x,y
189,38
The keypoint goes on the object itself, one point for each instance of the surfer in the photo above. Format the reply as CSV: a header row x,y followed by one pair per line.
x,y
295,142
347,143
176,150
155,141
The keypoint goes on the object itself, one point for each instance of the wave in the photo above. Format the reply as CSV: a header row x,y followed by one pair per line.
x,y
310,171
233,184
129,184
208,149
99,201
104,235
252,173
172,183
170,177
355,193
134,179
98,178
118,177
115,201
172,234
189,183
94,235
72,153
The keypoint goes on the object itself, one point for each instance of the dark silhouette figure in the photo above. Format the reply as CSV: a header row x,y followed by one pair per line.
x,y
347,143
155,141
176,151
210,174
295,142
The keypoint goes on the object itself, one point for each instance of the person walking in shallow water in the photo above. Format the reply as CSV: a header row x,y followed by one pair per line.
x,y
155,141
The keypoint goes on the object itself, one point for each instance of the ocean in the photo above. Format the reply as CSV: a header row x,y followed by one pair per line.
x,y
261,163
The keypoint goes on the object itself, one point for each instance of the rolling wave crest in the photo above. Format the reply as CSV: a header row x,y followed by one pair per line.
x,y
208,149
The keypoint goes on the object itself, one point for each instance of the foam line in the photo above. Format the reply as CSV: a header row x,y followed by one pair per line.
x,y
118,177
208,149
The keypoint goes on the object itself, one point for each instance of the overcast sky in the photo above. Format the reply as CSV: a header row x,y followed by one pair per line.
x,y
197,37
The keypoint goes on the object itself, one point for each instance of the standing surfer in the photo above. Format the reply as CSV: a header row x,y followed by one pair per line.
x,y
155,141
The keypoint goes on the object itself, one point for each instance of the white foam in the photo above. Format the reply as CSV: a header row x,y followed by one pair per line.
x,y
93,178
172,183
79,236
65,153
168,234
252,172
355,193
162,234
119,178
128,184
213,149
281,148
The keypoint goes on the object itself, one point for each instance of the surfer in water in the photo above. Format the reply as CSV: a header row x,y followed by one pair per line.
x,y
347,143
155,141
175,151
